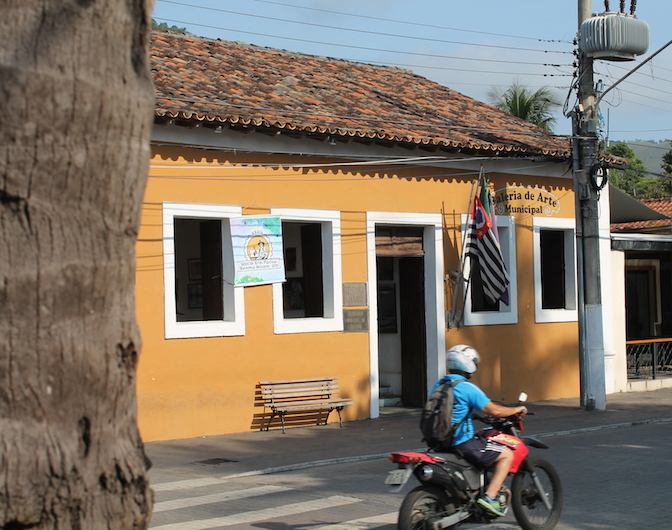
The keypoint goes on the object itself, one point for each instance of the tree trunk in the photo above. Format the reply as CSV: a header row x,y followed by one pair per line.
x,y
76,107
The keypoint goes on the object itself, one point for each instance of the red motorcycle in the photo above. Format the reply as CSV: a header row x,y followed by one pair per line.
x,y
450,486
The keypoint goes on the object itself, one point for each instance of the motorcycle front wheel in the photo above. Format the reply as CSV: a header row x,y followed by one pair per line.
x,y
526,500
421,506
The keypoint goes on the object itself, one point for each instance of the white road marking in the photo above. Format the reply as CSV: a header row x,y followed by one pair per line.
x,y
188,502
365,523
186,484
262,515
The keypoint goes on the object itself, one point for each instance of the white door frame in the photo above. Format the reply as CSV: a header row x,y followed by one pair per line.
x,y
432,244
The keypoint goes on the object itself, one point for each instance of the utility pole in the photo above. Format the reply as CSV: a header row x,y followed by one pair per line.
x,y
585,151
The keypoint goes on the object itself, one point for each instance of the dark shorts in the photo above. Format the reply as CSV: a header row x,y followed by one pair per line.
x,y
479,451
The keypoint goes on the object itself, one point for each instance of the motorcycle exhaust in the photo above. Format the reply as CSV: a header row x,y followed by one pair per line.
x,y
452,480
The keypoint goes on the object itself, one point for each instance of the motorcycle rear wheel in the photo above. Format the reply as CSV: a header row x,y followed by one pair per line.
x,y
421,506
528,506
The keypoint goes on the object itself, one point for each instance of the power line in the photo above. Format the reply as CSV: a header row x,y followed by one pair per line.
x,y
647,97
644,86
476,71
381,19
414,38
641,73
640,143
400,52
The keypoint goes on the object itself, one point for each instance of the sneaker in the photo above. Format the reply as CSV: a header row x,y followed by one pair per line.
x,y
492,505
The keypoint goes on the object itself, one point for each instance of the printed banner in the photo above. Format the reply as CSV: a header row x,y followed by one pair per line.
x,y
257,250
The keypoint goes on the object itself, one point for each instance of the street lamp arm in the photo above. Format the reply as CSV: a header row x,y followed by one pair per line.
x,y
597,101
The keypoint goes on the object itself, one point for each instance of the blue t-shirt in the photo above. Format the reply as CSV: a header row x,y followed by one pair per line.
x,y
468,398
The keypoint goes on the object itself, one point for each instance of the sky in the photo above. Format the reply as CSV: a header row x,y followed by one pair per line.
x,y
473,47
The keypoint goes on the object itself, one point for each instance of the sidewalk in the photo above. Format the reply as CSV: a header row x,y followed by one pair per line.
x,y
250,453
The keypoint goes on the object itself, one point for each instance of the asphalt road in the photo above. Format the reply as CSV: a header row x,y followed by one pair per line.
x,y
613,479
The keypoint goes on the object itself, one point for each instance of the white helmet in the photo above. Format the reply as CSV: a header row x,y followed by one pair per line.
x,y
462,358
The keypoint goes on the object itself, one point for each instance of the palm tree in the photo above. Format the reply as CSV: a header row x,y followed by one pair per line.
x,y
77,106
520,101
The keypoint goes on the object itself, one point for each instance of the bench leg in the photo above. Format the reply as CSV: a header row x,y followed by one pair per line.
x,y
282,419
268,424
340,420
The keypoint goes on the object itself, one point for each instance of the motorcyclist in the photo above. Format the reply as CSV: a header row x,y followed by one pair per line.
x,y
461,364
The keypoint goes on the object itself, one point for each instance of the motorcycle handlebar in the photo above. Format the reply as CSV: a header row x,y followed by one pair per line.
x,y
492,420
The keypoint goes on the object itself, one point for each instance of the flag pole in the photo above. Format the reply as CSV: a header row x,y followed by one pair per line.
x,y
461,286
475,185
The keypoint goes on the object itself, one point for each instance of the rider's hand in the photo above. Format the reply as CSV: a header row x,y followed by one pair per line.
x,y
523,411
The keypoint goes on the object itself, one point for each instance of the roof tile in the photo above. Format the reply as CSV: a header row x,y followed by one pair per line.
x,y
663,206
230,82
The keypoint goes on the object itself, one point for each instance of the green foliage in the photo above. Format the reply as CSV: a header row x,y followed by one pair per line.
x,y
639,185
165,27
535,107
667,170
667,162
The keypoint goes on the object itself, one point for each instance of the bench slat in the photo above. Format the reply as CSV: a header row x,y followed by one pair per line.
x,y
297,381
308,407
311,403
280,391
300,385
308,390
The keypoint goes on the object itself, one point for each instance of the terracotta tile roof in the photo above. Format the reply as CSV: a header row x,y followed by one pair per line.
x,y
229,83
663,206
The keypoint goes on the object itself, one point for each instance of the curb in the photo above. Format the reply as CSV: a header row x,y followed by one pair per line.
x,y
603,427
362,458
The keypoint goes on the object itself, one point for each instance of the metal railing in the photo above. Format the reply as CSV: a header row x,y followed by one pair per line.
x,y
649,359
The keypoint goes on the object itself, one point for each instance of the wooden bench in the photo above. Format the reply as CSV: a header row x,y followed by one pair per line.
x,y
301,395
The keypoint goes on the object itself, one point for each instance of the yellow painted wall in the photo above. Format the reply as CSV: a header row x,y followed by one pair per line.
x,y
540,359
207,386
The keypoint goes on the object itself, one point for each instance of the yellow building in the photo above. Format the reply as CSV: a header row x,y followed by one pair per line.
x,y
369,171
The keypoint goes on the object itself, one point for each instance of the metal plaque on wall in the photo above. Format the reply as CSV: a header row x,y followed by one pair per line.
x,y
354,294
355,320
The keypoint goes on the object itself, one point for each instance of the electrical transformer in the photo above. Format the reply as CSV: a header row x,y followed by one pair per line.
x,y
614,36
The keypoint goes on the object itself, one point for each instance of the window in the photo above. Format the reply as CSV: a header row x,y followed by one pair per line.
x,y
478,309
555,297
199,296
311,298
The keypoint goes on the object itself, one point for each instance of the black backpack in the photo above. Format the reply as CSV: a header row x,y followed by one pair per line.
x,y
436,422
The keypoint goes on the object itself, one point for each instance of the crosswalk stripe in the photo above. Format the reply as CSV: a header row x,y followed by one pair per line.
x,y
186,484
188,502
262,515
365,523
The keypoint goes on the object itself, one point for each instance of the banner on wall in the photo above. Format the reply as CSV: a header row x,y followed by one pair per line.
x,y
257,250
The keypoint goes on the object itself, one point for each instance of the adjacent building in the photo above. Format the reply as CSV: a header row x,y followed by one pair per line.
x,y
643,253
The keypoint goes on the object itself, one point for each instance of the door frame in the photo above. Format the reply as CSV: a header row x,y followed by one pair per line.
x,y
435,323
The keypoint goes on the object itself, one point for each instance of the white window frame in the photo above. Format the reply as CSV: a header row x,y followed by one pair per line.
x,y
234,300
568,226
332,274
506,225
